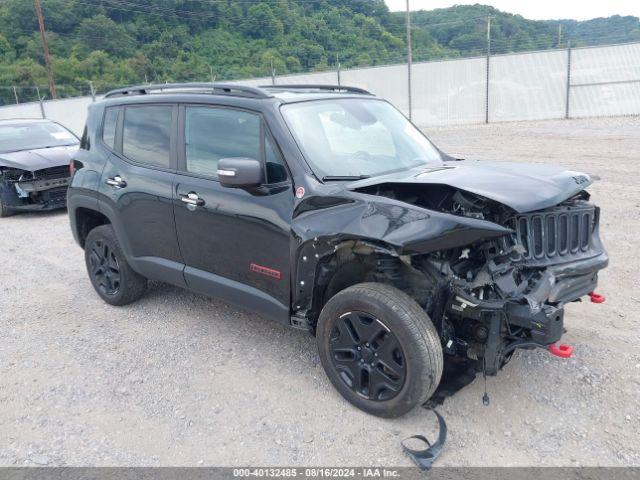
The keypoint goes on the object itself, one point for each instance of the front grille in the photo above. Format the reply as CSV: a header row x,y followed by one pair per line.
x,y
61,171
11,174
562,233
58,194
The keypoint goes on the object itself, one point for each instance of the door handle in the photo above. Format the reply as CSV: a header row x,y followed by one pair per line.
x,y
116,182
192,199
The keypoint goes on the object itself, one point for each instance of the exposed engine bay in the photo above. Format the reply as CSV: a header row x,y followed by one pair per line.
x,y
43,189
495,295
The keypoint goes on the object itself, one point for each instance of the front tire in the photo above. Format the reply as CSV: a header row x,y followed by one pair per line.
x,y
110,274
5,211
379,349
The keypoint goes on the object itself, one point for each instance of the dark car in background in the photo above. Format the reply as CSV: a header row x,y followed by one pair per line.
x,y
34,165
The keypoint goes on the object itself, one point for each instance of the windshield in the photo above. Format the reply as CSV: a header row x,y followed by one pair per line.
x,y
29,136
357,138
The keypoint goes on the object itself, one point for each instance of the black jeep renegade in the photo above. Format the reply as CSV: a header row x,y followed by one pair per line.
x,y
325,209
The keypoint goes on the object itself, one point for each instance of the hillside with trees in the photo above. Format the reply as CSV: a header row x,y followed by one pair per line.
x,y
120,42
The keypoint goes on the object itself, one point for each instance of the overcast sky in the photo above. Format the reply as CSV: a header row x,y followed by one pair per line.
x,y
537,9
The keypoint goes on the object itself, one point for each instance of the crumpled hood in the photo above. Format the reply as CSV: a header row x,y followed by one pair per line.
x,y
520,186
38,159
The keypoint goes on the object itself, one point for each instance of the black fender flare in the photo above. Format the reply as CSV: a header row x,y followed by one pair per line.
x,y
391,227
75,201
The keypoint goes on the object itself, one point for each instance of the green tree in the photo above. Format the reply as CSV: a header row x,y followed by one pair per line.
x,y
262,23
113,44
102,33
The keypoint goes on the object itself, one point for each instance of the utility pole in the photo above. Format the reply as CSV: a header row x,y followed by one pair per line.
x,y
45,48
338,67
409,56
486,106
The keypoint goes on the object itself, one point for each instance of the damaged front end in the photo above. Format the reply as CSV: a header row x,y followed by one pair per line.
x,y
491,278
44,189
509,292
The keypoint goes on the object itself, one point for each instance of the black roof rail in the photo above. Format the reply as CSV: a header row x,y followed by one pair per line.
x,y
323,88
206,88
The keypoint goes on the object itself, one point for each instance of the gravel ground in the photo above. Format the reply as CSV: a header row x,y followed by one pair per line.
x,y
179,379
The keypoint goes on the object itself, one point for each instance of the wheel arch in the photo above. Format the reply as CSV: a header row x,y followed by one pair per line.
x,y
326,266
86,219
87,212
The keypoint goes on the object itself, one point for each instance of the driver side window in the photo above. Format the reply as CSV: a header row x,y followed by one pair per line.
x,y
213,133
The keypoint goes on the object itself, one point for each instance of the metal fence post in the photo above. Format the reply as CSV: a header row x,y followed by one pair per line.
x,y
273,74
568,94
486,103
409,59
41,102
93,92
15,94
338,68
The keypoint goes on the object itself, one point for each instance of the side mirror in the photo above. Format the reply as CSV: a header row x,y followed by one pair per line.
x,y
240,172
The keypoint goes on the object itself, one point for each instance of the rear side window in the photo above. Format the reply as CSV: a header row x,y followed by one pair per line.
x,y
109,127
215,133
146,134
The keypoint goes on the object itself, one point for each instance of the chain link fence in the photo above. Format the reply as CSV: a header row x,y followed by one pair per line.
x,y
549,84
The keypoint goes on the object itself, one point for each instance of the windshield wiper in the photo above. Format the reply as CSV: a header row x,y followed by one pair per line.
x,y
329,178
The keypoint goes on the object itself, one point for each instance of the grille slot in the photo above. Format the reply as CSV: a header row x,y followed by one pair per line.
x,y
57,195
61,171
561,232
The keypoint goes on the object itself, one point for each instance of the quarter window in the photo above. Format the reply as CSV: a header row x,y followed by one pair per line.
x,y
109,128
146,135
215,133
85,143
276,171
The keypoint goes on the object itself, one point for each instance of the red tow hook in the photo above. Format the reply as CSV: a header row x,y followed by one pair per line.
x,y
563,350
596,297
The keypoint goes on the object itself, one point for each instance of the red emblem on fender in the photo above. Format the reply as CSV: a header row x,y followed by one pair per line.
x,y
269,272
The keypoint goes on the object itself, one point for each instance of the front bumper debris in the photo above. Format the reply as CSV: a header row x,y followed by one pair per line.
x,y
529,319
424,458
36,195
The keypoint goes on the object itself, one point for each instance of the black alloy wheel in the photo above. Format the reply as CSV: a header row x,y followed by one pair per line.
x,y
379,349
111,276
368,356
104,268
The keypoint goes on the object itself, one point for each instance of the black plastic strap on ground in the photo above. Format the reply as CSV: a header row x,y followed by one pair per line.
x,y
425,458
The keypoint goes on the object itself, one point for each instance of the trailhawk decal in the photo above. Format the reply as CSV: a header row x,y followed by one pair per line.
x,y
269,272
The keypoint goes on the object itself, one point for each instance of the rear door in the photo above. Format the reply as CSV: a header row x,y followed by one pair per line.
x,y
235,242
137,186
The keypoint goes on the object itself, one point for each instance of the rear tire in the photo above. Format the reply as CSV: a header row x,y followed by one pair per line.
x,y
110,274
379,349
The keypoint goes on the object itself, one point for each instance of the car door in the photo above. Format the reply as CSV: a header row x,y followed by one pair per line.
x,y
136,188
235,242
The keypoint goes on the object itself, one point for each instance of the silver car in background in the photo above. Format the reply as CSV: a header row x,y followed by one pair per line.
x,y
34,165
